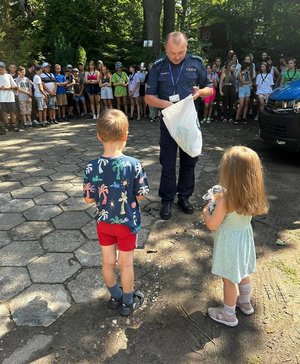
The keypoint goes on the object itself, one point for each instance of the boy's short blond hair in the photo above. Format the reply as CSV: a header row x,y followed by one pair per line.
x,y
112,125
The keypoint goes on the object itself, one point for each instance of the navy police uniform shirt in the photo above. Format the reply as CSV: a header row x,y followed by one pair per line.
x,y
167,79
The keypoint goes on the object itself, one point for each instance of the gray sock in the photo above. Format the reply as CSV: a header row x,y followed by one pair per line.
x,y
115,291
128,298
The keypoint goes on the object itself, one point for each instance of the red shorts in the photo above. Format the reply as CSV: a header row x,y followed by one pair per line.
x,y
110,234
209,99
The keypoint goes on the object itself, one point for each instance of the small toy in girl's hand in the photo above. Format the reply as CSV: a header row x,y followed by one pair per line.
x,y
212,195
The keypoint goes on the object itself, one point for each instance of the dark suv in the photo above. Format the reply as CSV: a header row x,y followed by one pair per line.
x,y
280,120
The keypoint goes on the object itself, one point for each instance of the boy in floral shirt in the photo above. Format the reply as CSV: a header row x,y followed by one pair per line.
x,y
115,182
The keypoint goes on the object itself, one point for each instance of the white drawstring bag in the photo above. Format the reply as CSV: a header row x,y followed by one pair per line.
x,y
182,122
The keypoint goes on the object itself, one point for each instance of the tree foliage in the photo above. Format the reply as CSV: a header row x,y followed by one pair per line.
x,y
72,30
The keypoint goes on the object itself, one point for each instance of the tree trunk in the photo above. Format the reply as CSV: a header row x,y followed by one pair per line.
x,y
152,12
169,17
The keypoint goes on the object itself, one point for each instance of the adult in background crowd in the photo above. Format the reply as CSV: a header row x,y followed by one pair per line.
x,y
291,73
7,98
92,78
172,78
50,87
120,82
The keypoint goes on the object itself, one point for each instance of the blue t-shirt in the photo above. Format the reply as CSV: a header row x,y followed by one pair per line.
x,y
60,89
114,183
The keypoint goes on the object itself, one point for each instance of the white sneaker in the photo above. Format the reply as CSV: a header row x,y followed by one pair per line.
x,y
94,117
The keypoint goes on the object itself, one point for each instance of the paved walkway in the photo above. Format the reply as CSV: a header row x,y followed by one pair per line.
x,y
49,255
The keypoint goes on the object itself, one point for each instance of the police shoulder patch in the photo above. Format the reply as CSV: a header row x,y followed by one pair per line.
x,y
158,61
196,57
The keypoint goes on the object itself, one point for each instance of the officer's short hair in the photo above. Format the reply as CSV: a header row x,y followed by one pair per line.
x,y
176,37
112,125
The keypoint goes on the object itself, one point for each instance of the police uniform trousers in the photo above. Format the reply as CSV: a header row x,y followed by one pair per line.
x,y
168,154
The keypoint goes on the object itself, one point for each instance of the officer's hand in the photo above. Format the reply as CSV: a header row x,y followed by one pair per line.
x,y
196,92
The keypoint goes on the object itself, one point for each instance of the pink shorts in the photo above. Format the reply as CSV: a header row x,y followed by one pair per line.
x,y
209,99
110,234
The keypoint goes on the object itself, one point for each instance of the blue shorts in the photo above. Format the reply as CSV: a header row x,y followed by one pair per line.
x,y
79,98
244,91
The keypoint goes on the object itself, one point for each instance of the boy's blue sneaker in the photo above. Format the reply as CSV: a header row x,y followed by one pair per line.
x,y
138,299
114,304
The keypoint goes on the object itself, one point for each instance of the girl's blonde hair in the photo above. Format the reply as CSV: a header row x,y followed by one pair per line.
x,y
112,125
241,174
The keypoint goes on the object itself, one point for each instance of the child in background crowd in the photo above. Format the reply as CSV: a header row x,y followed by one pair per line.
x,y
69,90
40,97
116,182
106,89
78,93
49,86
61,97
209,100
120,82
234,259
264,83
25,96
134,92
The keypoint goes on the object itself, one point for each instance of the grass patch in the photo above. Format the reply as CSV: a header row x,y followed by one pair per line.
x,y
288,271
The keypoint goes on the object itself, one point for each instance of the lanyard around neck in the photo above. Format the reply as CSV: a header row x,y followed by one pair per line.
x,y
172,77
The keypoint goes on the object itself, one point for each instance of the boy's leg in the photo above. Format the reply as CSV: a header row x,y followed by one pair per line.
x,y
109,264
125,261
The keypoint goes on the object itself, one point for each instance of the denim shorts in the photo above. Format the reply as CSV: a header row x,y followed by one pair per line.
x,y
244,91
41,103
106,93
79,98
51,102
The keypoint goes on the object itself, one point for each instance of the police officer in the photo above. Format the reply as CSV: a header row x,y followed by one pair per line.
x,y
171,79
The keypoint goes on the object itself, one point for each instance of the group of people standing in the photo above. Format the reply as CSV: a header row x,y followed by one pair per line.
x,y
40,95
116,183
237,85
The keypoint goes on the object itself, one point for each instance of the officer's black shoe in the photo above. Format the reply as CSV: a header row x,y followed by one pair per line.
x,y
185,205
165,211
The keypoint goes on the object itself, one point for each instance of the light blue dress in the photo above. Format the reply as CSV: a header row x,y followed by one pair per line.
x,y
234,250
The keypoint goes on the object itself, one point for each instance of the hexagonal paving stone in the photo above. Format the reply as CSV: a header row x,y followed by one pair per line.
x,y
53,268
9,186
20,253
67,168
9,220
88,286
12,281
34,181
63,241
90,230
16,205
31,230
4,238
50,198
40,305
5,322
42,213
142,238
62,176
89,254
75,191
27,192
15,176
4,197
42,172
74,204
57,186
71,220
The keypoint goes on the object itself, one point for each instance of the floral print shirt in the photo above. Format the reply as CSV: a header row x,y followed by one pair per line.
x,y
114,183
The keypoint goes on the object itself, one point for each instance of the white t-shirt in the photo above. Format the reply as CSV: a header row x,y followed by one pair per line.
x,y
49,81
7,95
133,84
25,85
264,82
36,82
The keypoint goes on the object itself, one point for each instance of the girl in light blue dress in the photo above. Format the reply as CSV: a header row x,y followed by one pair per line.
x,y
241,176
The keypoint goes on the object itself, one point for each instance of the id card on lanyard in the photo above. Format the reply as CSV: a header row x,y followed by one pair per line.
x,y
175,97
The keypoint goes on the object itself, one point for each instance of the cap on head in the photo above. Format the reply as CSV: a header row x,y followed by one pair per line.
x,y
69,66
100,62
81,63
75,70
46,64
118,65
2,64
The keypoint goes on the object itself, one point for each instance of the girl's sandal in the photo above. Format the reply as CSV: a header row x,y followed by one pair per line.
x,y
218,314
